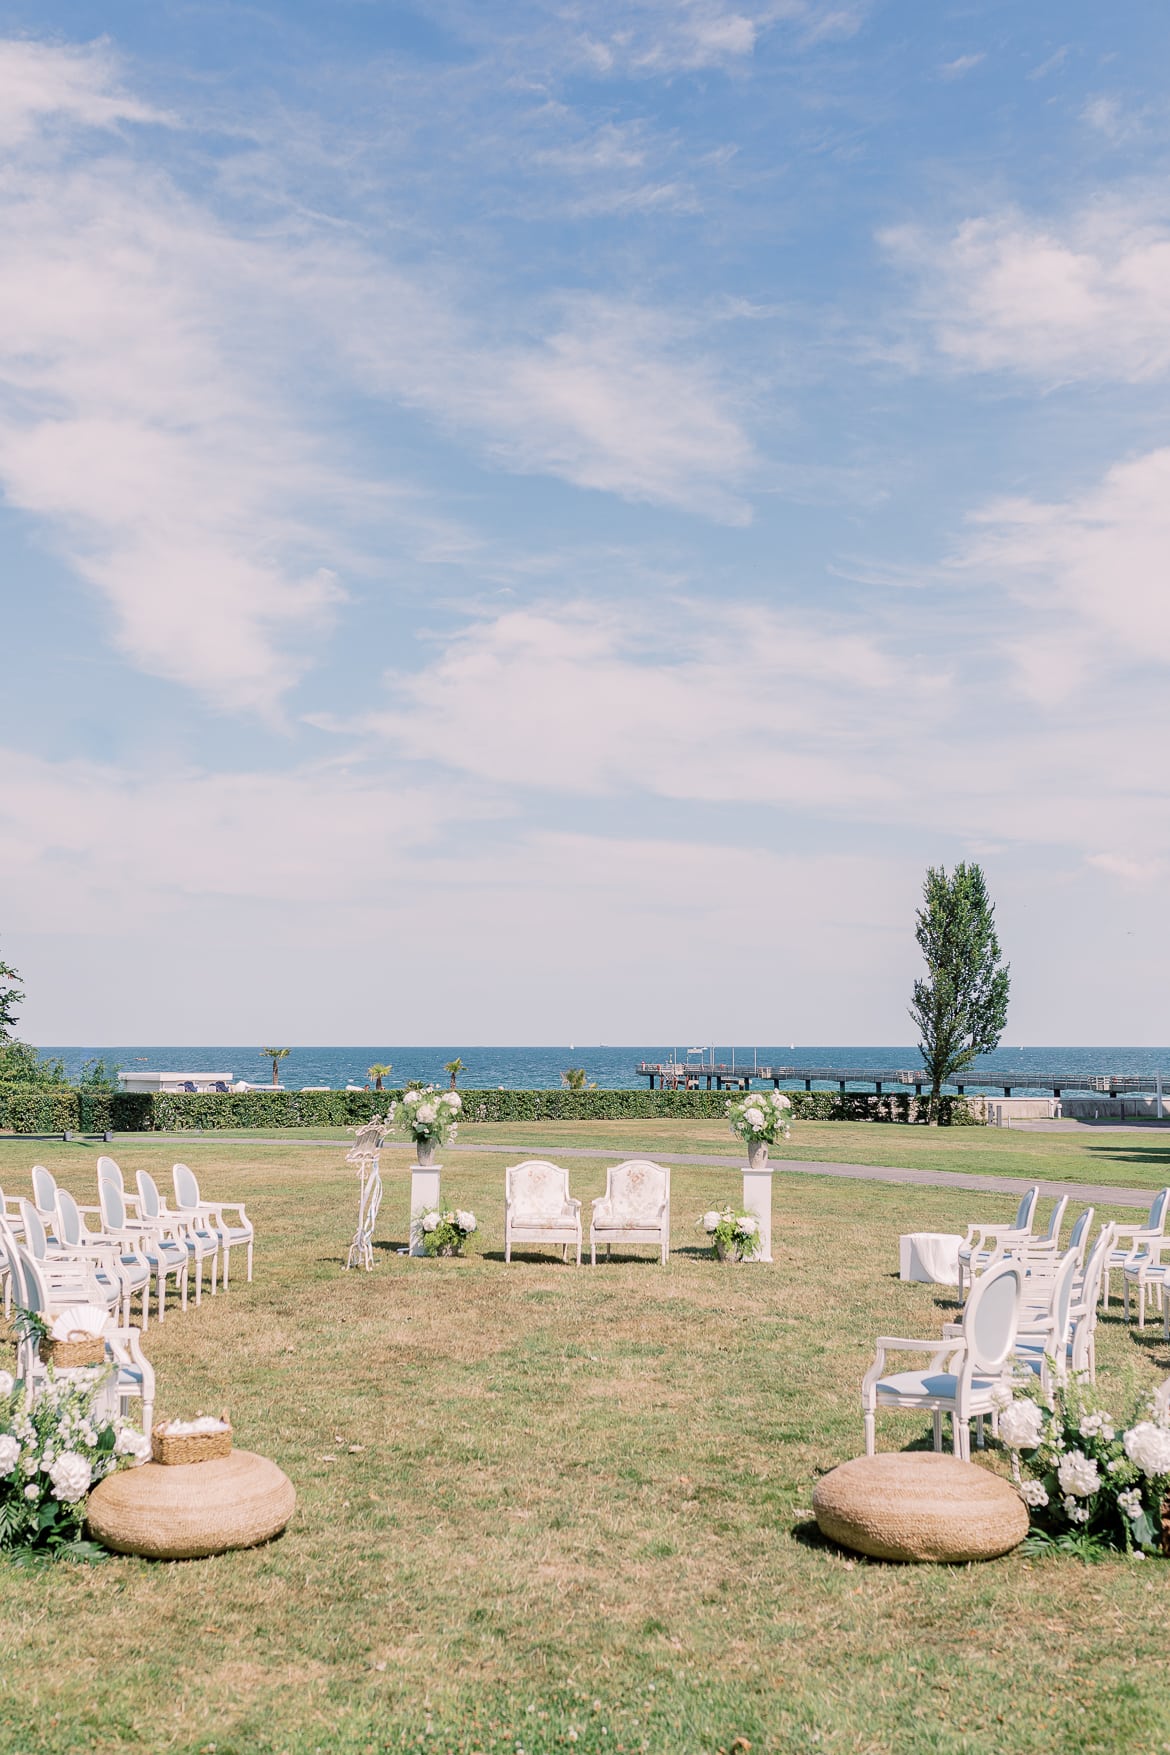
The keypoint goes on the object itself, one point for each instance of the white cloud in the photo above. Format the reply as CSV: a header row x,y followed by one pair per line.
x,y
42,83
665,37
1083,297
1139,873
962,64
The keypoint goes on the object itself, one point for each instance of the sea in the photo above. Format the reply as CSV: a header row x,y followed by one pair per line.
x,y
607,1066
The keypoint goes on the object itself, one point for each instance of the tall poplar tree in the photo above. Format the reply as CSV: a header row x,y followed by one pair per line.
x,y
961,1007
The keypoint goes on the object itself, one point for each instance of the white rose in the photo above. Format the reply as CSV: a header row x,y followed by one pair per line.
x,y
1021,1426
710,1221
9,1453
754,1117
425,1113
1032,1493
1148,1446
32,1491
430,1221
1078,1475
6,1382
70,1475
453,1100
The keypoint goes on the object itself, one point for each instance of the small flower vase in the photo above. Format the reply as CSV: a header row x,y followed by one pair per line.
x,y
757,1154
725,1251
425,1150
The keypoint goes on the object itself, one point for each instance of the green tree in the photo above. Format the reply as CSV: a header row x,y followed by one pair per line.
x,y
961,1007
10,998
99,1075
454,1067
276,1055
378,1072
574,1078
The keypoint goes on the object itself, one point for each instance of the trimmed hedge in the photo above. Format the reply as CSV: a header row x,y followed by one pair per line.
x,y
39,1108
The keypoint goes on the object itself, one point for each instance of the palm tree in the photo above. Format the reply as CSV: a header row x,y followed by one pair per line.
x,y
276,1055
378,1073
454,1067
574,1079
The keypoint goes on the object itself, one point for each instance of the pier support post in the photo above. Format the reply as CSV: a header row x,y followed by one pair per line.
x,y
757,1199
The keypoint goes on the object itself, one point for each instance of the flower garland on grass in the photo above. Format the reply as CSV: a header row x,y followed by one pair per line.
x,y
427,1114
733,1235
445,1233
53,1448
1090,1487
760,1117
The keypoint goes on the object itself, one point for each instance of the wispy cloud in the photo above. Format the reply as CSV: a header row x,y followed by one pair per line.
x,y
962,64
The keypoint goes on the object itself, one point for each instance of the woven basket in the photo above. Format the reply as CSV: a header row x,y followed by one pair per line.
x,y
77,1349
189,1447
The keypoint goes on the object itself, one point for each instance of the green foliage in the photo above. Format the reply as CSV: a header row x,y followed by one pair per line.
x,y
575,1078
276,1055
41,1508
379,1071
28,1108
454,1067
10,998
99,1075
734,1235
961,1008
20,1064
448,1231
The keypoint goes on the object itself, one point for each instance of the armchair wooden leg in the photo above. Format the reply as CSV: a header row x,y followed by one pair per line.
x,y
870,1434
938,1428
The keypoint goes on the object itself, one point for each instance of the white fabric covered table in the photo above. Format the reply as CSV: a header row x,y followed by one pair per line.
x,y
930,1255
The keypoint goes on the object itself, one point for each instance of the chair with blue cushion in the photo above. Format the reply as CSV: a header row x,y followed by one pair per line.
x,y
165,1252
209,1216
984,1245
1138,1253
201,1244
965,1375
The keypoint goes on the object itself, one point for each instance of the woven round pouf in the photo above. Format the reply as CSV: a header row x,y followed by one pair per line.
x,y
191,1509
919,1505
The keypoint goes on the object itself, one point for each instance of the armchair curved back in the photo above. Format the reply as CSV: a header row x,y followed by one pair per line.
x,y
149,1199
1056,1220
1095,1266
992,1315
1062,1296
70,1228
536,1186
1079,1235
1026,1210
1157,1217
12,1257
112,1205
35,1241
44,1190
109,1171
186,1187
637,1190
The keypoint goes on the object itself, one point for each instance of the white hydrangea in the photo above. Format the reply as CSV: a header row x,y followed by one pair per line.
x,y
9,1453
1032,1493
1096,1425
1021,1425
754,1117
32,1491
1001,1396
430,1221
131,1442
453,1100
425,1113
1131,1502
465,1221
748,1225
1078,1475
1074,1512
710,1221
31,1464
1148,1446
780,1101
412,1096
6,1382
70,1475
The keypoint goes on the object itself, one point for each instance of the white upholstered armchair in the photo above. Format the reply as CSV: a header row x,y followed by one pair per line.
x,y
538,1207
635,1208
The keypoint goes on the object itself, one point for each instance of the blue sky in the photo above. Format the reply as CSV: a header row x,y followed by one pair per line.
x,y
537,523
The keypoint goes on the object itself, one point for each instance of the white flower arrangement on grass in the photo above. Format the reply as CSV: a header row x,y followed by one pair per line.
x,y
734,1236
1089,1486
53,1449
430,1117
760,1119
445,1233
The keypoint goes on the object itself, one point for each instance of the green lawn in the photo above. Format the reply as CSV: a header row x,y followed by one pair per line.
x,y
578,1516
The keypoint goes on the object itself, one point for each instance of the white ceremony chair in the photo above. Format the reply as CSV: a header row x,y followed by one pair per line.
x,y
964,1373
133,1378
1143,1266
110,1171
1042,1338
1078,1237
208,1216
1131,1239
44,1196
538,1207
132,1272
201,1245
164,1252
72,1276
985,1244
635,1208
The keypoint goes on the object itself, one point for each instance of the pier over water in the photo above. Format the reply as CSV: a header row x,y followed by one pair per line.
x,y
683,1076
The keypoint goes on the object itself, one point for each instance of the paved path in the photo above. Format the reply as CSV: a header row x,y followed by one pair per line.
x,y
1098,1193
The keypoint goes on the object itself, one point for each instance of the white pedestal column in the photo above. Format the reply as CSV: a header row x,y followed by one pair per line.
x,y
424,1194
757,1199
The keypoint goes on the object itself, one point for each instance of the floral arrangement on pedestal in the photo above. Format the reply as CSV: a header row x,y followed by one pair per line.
x,y
445,1233
1090,1483
760,1119
54,1447
734,1236
428,1116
